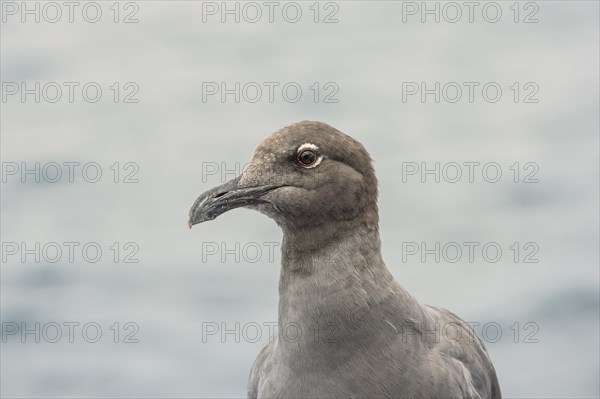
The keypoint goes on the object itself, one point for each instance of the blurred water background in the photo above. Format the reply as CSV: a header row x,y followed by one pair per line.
x,y
172,134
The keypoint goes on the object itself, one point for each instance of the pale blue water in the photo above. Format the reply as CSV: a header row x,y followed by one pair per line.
x,y
172,293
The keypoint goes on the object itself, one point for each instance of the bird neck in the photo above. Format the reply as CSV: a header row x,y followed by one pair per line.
x,y
306,242
331,275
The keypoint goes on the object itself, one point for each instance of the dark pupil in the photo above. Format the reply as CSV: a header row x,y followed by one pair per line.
x,y
307,157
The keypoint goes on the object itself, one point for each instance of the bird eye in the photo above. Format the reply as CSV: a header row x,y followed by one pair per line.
x,y
307,157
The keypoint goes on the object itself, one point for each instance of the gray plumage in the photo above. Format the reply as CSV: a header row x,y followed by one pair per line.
x,y
347,329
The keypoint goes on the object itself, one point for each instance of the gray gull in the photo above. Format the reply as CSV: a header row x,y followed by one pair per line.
x,y
352,330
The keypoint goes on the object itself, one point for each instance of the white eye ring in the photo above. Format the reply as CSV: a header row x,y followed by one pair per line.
x,y
313,148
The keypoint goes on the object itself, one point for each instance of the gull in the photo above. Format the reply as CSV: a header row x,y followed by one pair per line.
x,y
347,328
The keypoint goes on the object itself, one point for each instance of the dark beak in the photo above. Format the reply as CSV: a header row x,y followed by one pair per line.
x,y
224,198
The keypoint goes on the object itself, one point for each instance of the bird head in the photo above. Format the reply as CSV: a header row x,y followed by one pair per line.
x,y
305,174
